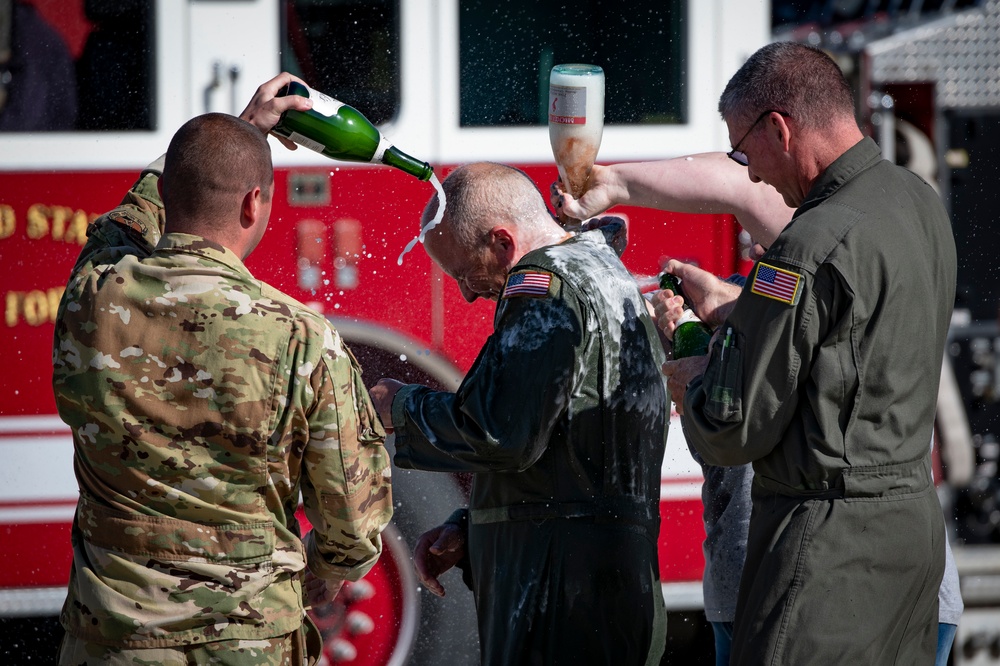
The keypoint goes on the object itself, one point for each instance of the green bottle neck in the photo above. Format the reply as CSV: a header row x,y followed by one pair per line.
x,y
668,281
673,283
395,157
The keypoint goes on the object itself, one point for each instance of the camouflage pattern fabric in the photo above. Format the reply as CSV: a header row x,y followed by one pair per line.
x,y
286,650
202,403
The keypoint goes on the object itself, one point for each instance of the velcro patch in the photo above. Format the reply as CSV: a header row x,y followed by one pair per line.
x,y
777,283
127,219
527,283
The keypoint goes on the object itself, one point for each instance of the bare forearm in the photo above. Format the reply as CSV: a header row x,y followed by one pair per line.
x,y
708,183
691,184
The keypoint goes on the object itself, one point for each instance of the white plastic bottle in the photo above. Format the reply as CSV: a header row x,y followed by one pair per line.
x,y
576,122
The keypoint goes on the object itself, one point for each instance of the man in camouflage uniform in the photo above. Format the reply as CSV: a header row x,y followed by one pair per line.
x,y
202,402
563,419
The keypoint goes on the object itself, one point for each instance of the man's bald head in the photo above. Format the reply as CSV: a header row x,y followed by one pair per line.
x,y
482,194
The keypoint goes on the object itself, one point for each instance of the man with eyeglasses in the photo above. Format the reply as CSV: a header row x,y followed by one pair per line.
x,y
823,397
738,155
709,183
826,380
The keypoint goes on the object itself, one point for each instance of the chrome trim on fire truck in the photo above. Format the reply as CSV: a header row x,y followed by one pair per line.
x,y
31,601
683,596
33,424
960,51
411,600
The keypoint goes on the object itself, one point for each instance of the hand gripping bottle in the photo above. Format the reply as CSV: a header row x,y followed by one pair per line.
x,y
691,335
341,132
576,123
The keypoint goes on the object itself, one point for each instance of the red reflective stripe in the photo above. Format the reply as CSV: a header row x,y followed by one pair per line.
x,y
35,554
681,534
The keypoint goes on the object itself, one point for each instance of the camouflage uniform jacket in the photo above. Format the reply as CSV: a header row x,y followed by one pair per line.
x,y
202,402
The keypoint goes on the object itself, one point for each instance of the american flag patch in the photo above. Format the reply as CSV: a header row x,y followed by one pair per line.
x,y
527,283
776,283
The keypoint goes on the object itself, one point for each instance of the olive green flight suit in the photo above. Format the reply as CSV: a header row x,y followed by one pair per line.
x,y
825,377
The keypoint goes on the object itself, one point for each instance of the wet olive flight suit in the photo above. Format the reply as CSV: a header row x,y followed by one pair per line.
x,y
563,419
828,385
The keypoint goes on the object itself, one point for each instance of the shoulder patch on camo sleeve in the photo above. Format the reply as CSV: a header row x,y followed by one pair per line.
x,y
528,283
128,219
777,283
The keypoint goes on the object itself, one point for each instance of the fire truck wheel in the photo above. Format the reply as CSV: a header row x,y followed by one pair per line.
x,y
446,631
430,629
388,618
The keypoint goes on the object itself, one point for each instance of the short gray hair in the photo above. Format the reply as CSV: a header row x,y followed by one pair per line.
x,y
800,80
480,195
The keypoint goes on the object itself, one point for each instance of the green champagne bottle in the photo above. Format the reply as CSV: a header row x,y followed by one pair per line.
x,y
341,132
691,336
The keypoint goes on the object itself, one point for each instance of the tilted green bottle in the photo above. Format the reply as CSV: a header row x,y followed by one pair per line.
x,y
691,335
341,132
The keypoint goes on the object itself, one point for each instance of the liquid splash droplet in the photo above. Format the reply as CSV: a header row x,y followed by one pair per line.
x,y
442,202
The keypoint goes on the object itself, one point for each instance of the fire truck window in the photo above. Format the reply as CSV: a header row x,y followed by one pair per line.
x,y
37,77
76,65
507,49
116,67
348,49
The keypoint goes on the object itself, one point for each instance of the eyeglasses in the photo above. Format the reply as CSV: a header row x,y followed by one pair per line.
x,y
739,156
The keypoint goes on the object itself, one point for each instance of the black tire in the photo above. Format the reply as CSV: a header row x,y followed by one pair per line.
x,y
447,632
446,629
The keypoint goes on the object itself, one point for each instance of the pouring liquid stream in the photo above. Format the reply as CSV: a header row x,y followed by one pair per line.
x,y
430,225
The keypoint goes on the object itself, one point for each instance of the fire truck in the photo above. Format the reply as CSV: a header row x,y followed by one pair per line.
x,y
93,91
453,81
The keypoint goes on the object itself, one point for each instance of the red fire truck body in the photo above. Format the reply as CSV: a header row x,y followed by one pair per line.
x,y
335,233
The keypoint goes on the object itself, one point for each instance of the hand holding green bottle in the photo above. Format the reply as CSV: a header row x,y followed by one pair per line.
x,y
691,334
266,108
341,132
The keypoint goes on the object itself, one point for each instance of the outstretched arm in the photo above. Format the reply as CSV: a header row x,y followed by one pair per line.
x,y
704,183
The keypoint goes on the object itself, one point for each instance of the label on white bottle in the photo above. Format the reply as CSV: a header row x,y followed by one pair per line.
x,y
576,122
323,103
567,105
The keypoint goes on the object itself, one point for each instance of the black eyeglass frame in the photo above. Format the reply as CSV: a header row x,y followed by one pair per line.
x,y
738,155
